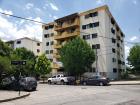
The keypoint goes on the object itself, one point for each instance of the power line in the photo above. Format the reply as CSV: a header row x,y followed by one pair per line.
x,y
23,18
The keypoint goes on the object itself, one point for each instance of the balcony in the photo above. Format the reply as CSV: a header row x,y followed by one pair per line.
x,y
67,25
66,35
55,66
56,55
57,46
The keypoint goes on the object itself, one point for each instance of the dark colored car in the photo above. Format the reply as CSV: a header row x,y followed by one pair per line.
x,y
95,80
28,83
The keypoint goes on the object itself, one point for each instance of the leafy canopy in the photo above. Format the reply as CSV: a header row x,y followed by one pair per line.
x,y
77,56
43,65
134,57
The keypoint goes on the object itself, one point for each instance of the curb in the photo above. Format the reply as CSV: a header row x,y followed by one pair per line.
x,y
126,84
15,98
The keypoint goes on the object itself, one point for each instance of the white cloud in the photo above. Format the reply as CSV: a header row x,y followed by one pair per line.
x,y
10,30
54,7
133,38
29,6
127,49
37,9
55,17
134,2
50,15
100,1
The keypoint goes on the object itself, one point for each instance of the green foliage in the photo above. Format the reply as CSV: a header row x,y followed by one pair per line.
x,y
5,67
77,56
43,65
24,54
4,49
134,58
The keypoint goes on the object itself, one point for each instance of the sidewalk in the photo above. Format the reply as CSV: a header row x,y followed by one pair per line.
x,y
125,82
11,95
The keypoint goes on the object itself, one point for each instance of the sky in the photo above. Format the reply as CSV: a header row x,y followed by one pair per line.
x,y
125,12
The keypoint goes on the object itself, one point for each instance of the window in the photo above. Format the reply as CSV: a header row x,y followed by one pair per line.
x,y
118,45
84,27
94,14
47,51
113,50
90,25
119,62
114,70
38,44
91,15
96,46
52,42
19,42
122,34
87,16
51,26
47,43
46,27
112,30
96,24
51,60
112,21
38,50
51,51
113,40
86,37
123,63
113,59
94,35
46,35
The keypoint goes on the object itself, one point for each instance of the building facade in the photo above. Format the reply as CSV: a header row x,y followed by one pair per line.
x,y
30,44
99,28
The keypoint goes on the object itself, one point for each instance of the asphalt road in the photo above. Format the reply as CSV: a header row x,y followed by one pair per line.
x,y
81,95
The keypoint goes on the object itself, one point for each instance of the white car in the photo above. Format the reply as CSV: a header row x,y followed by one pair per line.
x,y
61,79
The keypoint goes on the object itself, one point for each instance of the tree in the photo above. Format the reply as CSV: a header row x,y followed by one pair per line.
x,y
24,54
5,67
77,56
134,58
5,50
43,65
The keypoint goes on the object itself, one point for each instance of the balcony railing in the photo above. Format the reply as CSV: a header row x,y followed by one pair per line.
x,y
67,25
66,35
56,55
56,66
57,46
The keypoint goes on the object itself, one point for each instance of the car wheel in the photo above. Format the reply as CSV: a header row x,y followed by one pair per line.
x,y
62,82
101,84
34,89
84,83
49,82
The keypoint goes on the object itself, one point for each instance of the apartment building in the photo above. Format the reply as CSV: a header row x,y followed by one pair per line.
x,y
99,28
30,44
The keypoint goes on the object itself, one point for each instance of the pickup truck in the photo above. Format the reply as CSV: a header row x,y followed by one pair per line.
x,y
61,79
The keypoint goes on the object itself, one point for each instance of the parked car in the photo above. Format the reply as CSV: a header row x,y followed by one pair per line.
x,y
61,79
7,83
95,80
28,83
